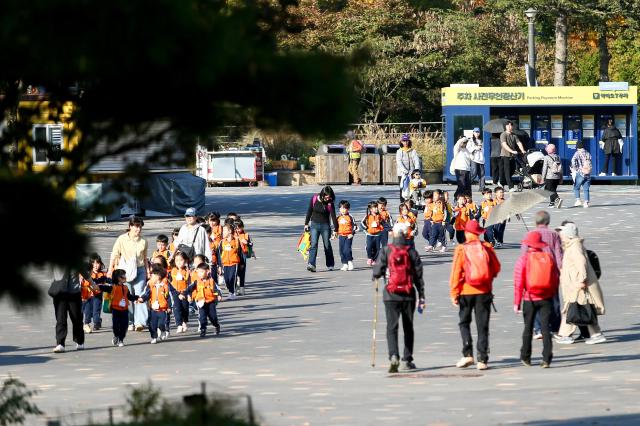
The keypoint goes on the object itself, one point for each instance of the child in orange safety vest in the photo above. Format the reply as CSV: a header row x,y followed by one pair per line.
x,y
162,247
206,295
409,219
488,203
157,293
439,216
179,279
92,300
120,298
373,227
346,229
246,244
229,258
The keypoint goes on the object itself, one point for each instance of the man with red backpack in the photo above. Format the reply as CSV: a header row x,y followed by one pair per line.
x,y
402,266
475,265
536,279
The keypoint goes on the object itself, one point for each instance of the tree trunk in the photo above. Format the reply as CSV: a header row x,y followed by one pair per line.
x,y
603,50
560,66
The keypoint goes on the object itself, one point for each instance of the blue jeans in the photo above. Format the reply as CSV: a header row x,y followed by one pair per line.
x,y
345,249
324,230
585,183
436,234
91,309
498,231
158,320
373,246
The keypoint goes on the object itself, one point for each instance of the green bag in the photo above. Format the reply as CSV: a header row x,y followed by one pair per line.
x,y
106,302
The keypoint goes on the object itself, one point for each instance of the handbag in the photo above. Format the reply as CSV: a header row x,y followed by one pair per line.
x,y
58,287
130,267
189,251
586,314
106,302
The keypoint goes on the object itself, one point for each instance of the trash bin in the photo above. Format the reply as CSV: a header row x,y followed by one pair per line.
x,y
369,168
332,165
389,166
271,178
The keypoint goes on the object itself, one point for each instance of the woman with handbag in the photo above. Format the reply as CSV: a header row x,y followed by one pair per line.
x,y
580,289
130,254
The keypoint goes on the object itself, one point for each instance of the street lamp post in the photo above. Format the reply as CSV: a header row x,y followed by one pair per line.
x,y
531,17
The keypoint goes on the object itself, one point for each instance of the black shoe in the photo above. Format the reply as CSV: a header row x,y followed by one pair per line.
x,y
203,333
580,338
311,268
393,367
217,329
526,362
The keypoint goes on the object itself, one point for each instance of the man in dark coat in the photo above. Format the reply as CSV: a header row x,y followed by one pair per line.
x,y
398,305
611,146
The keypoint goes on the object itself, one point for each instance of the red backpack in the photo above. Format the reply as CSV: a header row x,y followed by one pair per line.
x,y
400,270
542,275
476,263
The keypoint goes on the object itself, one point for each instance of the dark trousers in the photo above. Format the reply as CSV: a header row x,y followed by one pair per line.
x,y
158,319
613,164
477,171
437,234
450,229
393,311
91,309
496,164
554,318
506,172
481,304
488,235
68,304
464,182
345,244
460,237
551,185
181,311
426,230
373,246
230,273
120,321
384,237
529,311
208,311
498,231
242,272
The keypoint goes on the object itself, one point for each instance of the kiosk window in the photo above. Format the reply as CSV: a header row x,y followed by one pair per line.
x,y
465,122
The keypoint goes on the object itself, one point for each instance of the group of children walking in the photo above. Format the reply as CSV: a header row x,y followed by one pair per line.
x,y
176,284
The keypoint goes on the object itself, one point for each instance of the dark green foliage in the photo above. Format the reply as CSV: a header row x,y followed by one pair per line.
x,y
15,403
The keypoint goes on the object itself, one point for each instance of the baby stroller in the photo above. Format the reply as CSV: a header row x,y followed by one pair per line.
x,y
529,169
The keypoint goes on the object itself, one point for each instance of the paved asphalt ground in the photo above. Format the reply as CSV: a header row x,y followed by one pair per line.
x,y
300,343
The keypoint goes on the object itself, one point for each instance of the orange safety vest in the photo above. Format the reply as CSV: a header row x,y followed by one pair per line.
x,y
374,224
410,220
216,233
118,293
229,252
160,294
438,210
180,284
206,290
462,218
244,247
164,254
85,289
345,225
487,206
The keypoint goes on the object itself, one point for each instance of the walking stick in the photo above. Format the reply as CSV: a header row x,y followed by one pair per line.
x,y
375,321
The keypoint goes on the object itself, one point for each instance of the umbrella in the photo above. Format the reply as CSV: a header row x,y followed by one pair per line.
x,y
517,204
523,137
495,126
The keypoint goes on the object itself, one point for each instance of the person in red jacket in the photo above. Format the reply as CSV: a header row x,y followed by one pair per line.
x,y
535,280
475,265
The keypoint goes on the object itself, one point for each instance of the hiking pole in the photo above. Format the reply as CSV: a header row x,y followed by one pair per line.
x,y
519,216
375,320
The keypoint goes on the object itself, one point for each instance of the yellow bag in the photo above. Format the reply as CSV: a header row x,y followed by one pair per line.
x,y
304,244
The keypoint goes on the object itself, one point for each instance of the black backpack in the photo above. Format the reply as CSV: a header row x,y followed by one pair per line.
x,y
595,262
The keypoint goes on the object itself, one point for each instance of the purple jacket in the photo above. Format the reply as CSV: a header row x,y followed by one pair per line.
x,y
554,244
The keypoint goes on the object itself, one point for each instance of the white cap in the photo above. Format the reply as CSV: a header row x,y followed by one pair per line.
x,y
568,230
400,228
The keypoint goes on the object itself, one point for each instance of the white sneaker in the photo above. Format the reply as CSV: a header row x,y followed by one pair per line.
x,y
87,328
330,268
613,174
578,203
566,340
179,330
595,339
184,327
442,249
585,204
131,327
58,349
512,190
602,174
558,203
438,244
428,248
232,296
79,347
120,344
154,341
164,336
344,267
350,266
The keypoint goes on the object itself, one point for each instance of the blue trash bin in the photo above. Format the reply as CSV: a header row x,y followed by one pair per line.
x,y
271,178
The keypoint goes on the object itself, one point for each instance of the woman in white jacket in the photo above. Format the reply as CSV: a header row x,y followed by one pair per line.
x,y
461,166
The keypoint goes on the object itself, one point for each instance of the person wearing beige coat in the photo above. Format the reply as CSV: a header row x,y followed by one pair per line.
x,y
577,277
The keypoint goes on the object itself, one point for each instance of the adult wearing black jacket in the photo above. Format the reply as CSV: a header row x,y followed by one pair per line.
x,y
611,147
496,161
400,305
320,214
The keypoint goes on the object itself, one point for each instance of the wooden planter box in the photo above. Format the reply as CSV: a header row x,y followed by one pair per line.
x,y
284,164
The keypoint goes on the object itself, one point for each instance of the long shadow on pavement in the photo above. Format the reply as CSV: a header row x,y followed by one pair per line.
x,y
614,419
